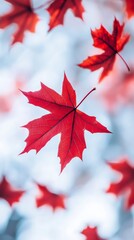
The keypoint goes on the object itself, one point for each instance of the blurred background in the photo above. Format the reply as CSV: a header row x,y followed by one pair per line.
x,y
44,57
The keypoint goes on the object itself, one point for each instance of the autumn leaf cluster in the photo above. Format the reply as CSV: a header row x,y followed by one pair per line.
x,y
65,117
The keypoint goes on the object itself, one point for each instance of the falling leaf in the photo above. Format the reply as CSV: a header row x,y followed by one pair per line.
x,y
65,118
9,193
91,233
125,184
58,9
130,8
21,14
46,197
112,44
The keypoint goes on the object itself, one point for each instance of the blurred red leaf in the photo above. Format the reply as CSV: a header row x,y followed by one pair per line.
x,y
58,9
119,90
130,8
9,193
112,44
65,118
22,14
125,185
91,233
47,197
7,100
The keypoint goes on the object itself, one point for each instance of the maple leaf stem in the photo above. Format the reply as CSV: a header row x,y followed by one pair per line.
x,y
124,61
42,5
39,7
85,97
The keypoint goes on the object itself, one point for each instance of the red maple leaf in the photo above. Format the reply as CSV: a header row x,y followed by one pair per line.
x,y
91,233
58,8
21,14
65,118
47,197
125,185
9,193
130,8
112,44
